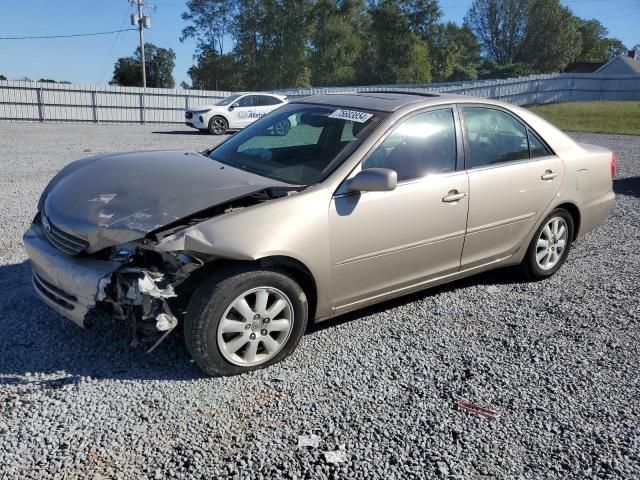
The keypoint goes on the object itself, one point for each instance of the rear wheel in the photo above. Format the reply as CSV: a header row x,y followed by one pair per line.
x,y
244,319
218,126
282,128
550,245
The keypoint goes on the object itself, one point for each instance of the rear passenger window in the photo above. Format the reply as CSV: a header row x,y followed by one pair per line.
x,y
423,144
494,136
536,147
265,100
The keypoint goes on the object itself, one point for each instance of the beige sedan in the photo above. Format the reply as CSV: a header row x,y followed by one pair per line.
x,y
366,197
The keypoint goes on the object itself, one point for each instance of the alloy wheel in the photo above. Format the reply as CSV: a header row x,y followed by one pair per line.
x,y
255,326
218,126
551,244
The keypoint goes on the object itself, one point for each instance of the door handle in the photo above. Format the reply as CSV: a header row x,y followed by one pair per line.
x,y
453,196
549,175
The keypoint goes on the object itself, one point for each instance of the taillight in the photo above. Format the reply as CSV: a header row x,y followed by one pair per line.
x,y
613,164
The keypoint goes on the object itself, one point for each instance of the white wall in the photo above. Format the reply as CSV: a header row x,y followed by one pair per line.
x,y
47,102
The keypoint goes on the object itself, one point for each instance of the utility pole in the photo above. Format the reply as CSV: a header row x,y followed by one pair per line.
x,y
142,21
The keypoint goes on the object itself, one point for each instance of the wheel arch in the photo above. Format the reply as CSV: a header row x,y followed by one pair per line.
x,y
574,211
298,271
221,115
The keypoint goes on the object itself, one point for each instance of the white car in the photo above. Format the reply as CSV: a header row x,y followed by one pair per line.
x,y
234,112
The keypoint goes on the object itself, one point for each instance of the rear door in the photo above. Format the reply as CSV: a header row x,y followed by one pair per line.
x,y
513,177
265,104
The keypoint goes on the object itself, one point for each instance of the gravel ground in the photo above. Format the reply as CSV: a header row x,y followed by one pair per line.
x,y
557,359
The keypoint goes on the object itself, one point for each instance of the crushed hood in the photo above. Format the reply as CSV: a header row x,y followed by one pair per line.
x,y
113,199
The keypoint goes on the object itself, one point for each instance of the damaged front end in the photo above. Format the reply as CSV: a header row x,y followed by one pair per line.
x,y
146,282
131,282
142,290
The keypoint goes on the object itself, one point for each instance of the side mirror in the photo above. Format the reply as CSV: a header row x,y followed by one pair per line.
x,y
234,105
374,180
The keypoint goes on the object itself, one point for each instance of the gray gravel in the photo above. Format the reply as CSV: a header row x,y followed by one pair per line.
x,y
557,359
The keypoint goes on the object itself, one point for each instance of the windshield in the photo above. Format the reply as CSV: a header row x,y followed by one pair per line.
x,y
299,144
228,100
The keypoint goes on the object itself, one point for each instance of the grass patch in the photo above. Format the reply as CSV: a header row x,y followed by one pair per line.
x,y
597,117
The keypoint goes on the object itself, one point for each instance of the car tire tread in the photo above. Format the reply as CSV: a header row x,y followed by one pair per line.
x,y
212,297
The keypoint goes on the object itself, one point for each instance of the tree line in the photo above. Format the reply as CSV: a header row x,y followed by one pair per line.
x,y
271,44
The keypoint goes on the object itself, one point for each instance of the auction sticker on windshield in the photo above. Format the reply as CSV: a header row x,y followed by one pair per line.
x,y
352,115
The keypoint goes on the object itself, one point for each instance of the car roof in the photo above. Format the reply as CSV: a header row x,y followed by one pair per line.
x,y
383,101
270,94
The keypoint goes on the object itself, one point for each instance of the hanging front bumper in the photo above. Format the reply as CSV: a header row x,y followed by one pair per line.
x,y
68,284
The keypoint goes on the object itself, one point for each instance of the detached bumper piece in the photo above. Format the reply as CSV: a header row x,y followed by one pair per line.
x,y
68,284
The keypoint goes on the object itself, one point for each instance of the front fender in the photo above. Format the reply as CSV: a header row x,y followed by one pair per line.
x,y
295,226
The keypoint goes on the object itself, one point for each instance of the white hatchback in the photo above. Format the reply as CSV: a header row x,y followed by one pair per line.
x,y
233,112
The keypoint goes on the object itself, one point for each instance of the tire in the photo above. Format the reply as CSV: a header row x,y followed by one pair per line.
x,y
282,128
218,125
548,249
223,349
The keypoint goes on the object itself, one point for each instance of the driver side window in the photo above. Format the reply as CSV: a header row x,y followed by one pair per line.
x,y
423,144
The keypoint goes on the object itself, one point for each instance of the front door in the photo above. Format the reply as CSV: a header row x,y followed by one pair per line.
x,y
386,241
513,177
243,112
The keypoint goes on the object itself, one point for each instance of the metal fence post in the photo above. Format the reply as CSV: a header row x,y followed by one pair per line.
x,y
186,102
94,104
142,108
572,85
40,104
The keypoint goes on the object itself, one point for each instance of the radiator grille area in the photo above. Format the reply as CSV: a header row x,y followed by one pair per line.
x,y
63,241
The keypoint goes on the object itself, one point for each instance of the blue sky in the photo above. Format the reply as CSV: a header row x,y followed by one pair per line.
x,y
89,60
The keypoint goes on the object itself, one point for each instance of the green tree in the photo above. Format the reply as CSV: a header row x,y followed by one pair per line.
x,y
490,69
209,23
335,42
2,77
455,53
159,64
272,42
595,44
422,16
397,54
499,26
215,72
127,72
286,32
552,39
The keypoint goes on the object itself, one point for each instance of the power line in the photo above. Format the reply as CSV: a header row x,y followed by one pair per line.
x,y
68,36
113,45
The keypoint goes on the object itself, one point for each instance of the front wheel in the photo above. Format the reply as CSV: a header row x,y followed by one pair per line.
x,y
549,246
243,319
218,126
